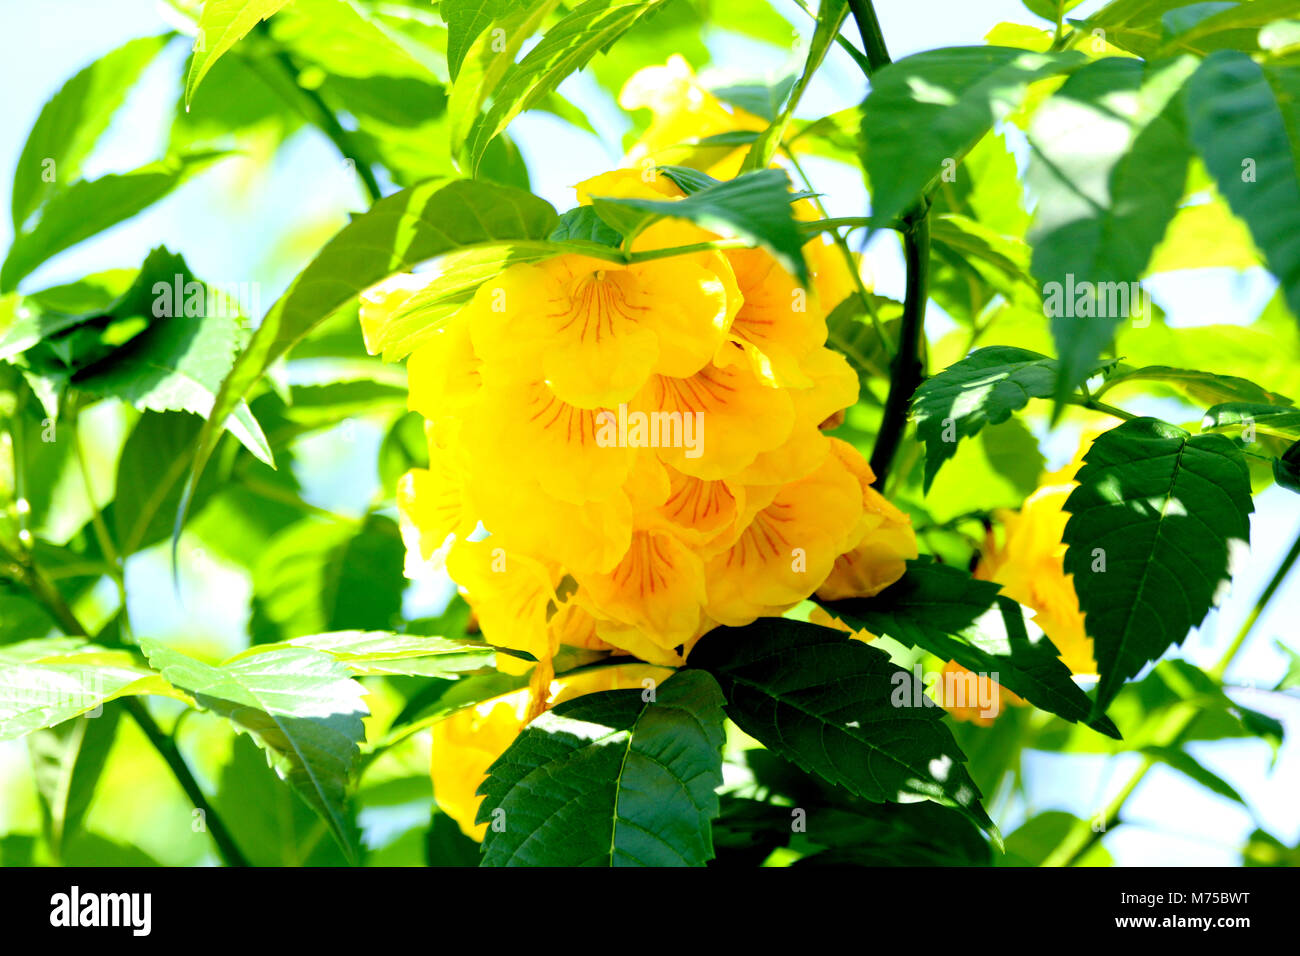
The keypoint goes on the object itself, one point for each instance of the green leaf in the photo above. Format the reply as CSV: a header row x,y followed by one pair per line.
x,y
1035,839
1205,387
47,681
754,207
1051,10
180,359
568,46
1227,24
1280,420
1102,211
150,476
466,19
1144,708
927,111
221,25
1192,768
610,779
72,122
1286,470
1264,849
485,63
582,224
398,232
1155,523
297,704
956,617
1245,121
982,389
831,15
66,765
315,577
892,834
838,708
371,653
89,206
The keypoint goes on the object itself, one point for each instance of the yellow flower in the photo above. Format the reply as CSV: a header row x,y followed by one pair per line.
x,y
1030,565
512,594
885,540
656,591
469,741
776,326
684,112
594,331
788,548
642,447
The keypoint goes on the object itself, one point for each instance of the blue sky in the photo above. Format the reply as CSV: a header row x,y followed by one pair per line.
x,y
216,223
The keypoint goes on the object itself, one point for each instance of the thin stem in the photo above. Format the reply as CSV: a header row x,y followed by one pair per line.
x,y
112,560
1083,835
1087,401
906,371
843,41
831,225
168,750
48,595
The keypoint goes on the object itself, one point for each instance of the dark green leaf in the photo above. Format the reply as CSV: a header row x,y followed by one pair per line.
x,y
956,617
930,109
1102,211
316,577
1245,121
1192,768
982,389
838,708
611,779
1155,524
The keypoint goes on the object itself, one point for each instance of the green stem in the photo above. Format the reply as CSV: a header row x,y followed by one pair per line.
x,y
873,41
1087,401
112,560
840,39
1083,836
1288,562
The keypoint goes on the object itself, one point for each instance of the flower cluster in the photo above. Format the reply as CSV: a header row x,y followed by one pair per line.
x,y
623,456
642,444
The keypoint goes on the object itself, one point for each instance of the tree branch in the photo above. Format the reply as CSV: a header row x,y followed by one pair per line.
x,y
905,370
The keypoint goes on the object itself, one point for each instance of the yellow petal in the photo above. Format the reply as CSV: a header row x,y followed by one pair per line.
x,y
789,547
656,590
718,420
